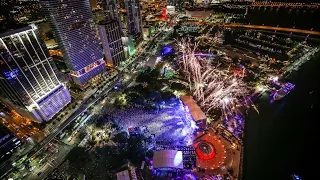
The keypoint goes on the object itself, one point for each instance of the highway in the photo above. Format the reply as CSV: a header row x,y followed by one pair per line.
x,y
293,30
283,4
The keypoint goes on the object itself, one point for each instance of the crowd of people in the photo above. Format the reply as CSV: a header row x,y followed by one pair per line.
x,y
169,124
234,124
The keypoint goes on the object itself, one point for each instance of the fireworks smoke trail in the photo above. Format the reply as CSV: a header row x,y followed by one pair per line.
x,y
212,87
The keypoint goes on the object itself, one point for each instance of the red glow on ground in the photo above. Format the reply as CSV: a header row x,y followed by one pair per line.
x,y
205,152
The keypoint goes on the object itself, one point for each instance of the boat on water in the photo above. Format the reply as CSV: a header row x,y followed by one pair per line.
x,y
283,91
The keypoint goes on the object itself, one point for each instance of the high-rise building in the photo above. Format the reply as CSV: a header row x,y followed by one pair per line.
x,y
127,14
110,9
114,9
28,75
133,16
72,24
110,32
122,16
110,35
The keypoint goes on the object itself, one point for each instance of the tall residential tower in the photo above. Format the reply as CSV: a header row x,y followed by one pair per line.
x,y
72,24
28,75
110,9
110,32
133,16
110,35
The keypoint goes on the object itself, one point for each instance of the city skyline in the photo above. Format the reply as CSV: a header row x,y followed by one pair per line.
x,y
141,89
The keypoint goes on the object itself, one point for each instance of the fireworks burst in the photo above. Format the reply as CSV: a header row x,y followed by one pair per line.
x,y
213,87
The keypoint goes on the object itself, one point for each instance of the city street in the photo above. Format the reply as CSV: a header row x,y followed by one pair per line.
x,y
83,107
85,104
60,151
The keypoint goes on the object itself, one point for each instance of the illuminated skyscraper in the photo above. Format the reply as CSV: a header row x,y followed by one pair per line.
x,y
128,17
110,35
133,16
110,9
72,24
28,79
110,32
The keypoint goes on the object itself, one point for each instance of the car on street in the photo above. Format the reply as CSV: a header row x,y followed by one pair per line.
x,y
25,174
32,168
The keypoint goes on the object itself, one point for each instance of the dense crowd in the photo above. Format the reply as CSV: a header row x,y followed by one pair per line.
x,y
234,124
170,123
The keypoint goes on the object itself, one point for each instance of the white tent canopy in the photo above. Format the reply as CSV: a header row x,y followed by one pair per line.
x,y
168,159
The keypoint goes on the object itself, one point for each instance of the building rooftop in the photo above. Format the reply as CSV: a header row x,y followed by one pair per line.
x,y
194,109
13,30
107,22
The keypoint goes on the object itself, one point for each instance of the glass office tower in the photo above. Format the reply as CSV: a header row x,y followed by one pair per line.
x,y
110,35
133,15
73,27
110,32
28,79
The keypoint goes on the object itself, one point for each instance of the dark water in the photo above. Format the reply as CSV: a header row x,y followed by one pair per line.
x,y
281,140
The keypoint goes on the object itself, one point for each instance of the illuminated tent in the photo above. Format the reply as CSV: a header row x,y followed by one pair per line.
x,y
197,114
168,159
